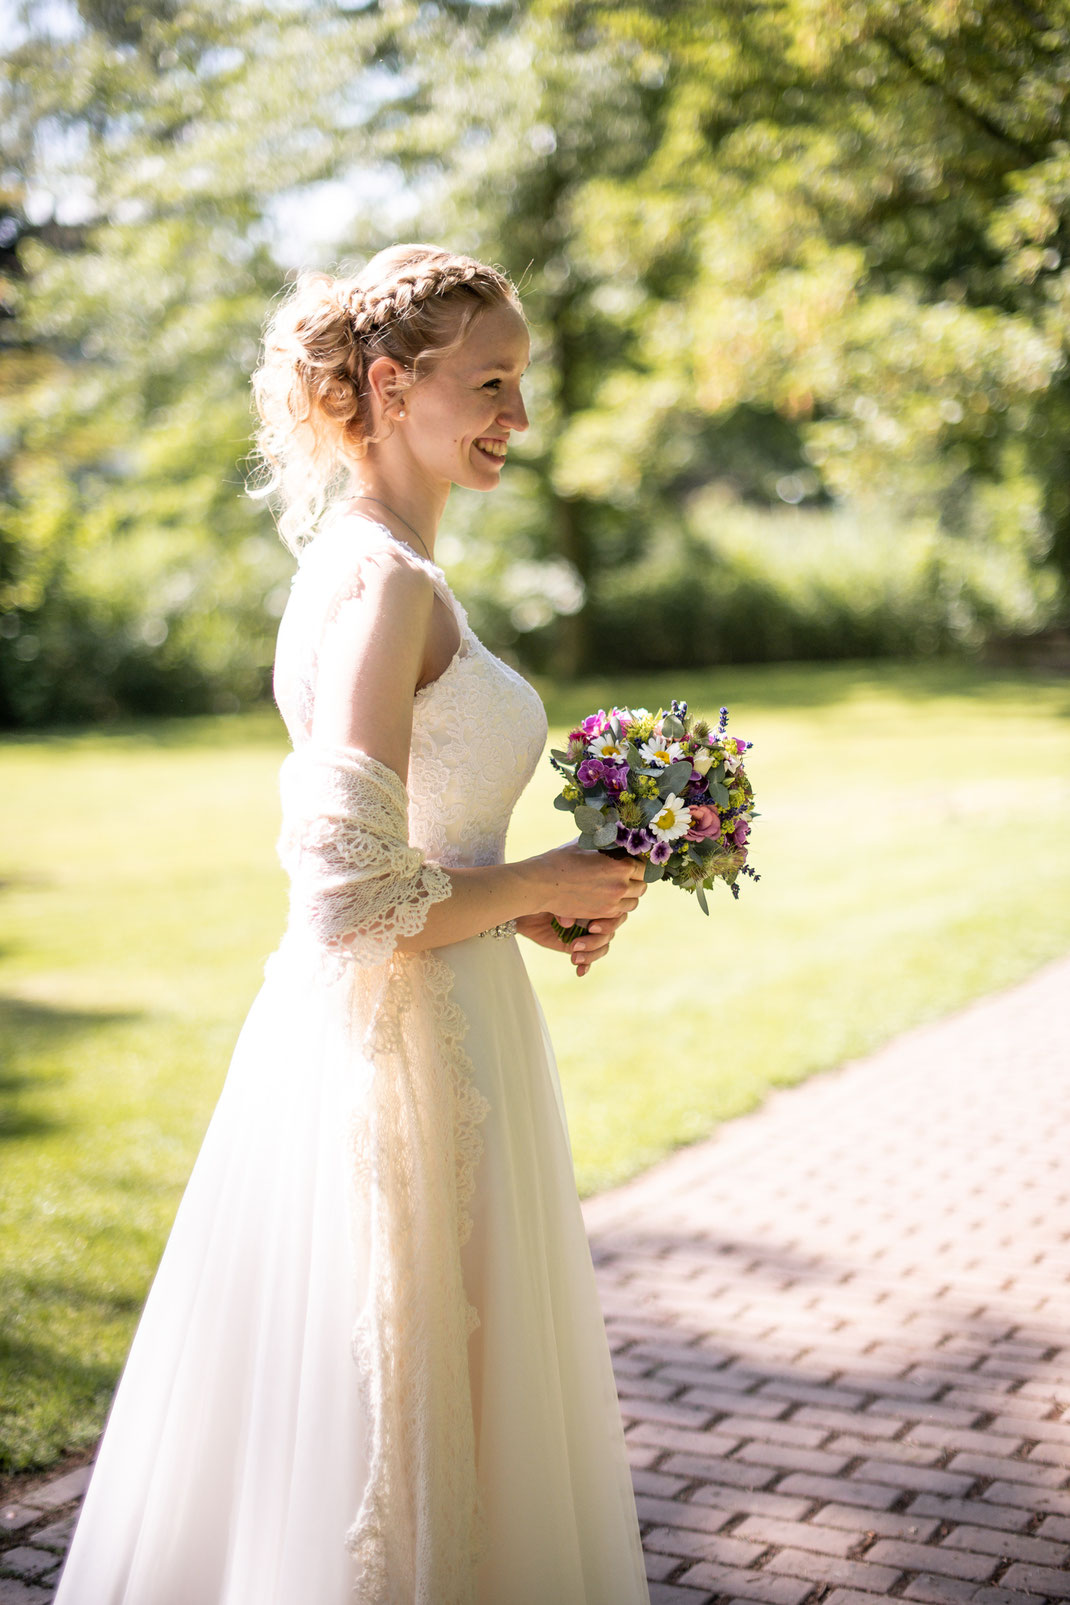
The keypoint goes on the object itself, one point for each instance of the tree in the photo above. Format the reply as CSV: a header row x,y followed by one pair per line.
x,y
148,146
855,218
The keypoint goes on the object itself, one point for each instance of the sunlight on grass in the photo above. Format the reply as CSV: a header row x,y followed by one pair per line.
x,y
914,852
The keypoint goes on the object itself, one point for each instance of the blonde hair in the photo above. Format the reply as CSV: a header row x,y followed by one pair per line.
x,y
413,303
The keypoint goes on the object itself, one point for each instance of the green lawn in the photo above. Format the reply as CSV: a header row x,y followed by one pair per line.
x,y
914,852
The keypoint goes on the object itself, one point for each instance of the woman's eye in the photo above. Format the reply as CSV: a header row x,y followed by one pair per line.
x,y
492,382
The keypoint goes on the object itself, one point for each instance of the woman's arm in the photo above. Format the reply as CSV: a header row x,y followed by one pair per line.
x,y
369,662
482,896
368,669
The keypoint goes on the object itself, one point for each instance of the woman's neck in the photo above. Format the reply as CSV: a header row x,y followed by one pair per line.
x,y
411,512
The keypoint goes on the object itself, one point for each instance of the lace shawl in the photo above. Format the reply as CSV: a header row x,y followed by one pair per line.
x,y
356,886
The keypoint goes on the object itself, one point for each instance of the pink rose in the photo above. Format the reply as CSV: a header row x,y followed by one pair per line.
x,y
741,832
705,821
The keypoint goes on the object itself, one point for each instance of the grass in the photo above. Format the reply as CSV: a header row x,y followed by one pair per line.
x,y
914,853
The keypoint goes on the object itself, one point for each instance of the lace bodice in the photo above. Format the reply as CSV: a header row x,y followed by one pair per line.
x,y
478,730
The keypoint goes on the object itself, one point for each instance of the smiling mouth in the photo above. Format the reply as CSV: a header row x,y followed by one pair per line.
x,y
494,449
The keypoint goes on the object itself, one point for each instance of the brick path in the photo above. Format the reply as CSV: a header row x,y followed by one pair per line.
x,y
841,1331
841,1327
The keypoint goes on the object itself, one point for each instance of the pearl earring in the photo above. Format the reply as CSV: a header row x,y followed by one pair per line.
x,y
401,412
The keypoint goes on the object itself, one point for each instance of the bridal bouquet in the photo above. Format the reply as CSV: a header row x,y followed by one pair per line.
x,y
660,787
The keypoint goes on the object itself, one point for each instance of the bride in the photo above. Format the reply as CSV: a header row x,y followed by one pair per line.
x,y
372,1365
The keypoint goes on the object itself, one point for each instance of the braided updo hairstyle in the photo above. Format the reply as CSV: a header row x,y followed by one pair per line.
x,y
413,303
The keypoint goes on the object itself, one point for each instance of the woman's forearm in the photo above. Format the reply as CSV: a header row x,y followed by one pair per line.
x,y
483,895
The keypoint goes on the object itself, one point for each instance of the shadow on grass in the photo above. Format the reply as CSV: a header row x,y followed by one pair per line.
x,y
78,1391
258,727
32,1035
802,685
787,685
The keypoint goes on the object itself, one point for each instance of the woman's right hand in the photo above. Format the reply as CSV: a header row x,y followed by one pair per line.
x,y
581,883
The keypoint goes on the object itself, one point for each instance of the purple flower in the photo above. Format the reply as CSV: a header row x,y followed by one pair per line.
x,y
661,852
741,832
615,775
590,772
594,724
635,841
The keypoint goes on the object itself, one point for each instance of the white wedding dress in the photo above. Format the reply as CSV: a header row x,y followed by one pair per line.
x,y
372,1365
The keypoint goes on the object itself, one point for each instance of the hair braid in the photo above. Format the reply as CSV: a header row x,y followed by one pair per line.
x,y
372,310
413,303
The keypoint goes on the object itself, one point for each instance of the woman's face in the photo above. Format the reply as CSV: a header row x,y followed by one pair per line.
x,y
459,418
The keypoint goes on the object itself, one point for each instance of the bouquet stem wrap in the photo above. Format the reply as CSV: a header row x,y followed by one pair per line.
x,y
414,1142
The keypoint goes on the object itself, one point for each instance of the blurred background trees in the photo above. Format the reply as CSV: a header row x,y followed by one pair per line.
x,y
797,285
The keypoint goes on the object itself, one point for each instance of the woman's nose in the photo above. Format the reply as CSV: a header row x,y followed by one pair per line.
x,y
515,414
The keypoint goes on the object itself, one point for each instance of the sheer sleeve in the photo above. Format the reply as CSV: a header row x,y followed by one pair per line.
x,y
356,885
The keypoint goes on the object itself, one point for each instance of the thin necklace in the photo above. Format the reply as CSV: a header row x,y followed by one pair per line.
x,y
396,515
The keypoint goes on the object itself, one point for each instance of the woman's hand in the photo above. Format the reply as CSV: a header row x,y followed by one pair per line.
x,y
581,883
584,952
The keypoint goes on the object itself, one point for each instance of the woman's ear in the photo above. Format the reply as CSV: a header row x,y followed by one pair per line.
x,y
385,382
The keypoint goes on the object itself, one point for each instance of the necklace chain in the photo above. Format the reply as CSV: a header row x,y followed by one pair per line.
x,y
396,514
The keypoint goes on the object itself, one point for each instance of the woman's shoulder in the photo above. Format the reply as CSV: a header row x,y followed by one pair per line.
x,y
350,548
354,561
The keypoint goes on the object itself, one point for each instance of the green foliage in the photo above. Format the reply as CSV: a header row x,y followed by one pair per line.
x,y
736,585
820,256
803,252
145,149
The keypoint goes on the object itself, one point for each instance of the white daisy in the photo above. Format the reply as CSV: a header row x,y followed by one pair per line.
x,y
673,820
660,750
607,747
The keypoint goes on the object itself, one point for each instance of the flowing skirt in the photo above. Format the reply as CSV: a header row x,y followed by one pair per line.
x,y
235,1455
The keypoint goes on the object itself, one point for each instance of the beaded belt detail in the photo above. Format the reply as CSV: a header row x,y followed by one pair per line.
x,y
507,928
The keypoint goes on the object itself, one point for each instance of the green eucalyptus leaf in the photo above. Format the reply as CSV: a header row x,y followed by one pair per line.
x,y
675,777
653,872
607,836
562,757
719,793
702,903
564,804
587,841
588,818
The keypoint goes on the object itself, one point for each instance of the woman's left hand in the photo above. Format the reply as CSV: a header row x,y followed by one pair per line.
x,y
593,945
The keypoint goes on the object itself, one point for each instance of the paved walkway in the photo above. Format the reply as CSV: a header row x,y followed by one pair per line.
x,y
841,1331
841,1327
